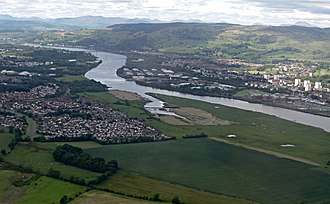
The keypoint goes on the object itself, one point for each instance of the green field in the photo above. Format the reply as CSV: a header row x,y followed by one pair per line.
x,y
222,168
49,190
263,131
70,78
100,197
5,139
8,191
138,185
38,157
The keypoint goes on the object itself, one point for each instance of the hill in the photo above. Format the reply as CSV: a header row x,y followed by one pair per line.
x,y
255,43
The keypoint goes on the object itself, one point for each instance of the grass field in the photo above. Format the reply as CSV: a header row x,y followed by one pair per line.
x,y
8,191
49,190
70,78
138,185
263,131
5,139
222,168
100,197
38,157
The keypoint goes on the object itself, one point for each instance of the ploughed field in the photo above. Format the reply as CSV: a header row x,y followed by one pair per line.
x,y
222,168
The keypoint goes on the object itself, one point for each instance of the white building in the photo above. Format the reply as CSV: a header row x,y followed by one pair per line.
x,y
318,86
297,82
307,85
276,77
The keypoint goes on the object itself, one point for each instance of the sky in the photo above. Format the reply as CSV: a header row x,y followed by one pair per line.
x,y
269,12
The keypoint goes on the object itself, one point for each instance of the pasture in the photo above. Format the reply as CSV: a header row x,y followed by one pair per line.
x,y
49,190
221,168
38,157
138,185
8,191
5,139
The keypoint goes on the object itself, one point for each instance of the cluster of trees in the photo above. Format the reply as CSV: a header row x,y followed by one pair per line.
x,y
195,136
79,86
75,156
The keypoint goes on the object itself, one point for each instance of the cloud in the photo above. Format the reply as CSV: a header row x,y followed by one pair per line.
x,y
233,11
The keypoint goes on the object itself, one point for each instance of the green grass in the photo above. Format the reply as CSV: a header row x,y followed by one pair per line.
x,y
5,139
138,185
70,78
100,197
8,191
263,131
49,190
38,157
222,168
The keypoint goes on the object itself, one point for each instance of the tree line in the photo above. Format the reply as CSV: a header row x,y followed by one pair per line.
x,y
75,156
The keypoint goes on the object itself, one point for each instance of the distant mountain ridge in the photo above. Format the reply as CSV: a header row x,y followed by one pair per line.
x,y
8,22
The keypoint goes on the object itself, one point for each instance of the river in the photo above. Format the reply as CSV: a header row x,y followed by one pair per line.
x,y
106,74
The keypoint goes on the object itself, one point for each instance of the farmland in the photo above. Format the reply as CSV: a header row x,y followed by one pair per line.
x,y
135,184
49,190
5,139
221,168
38,158
8,191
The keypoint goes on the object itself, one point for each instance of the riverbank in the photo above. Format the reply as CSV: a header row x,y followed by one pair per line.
x,y
105,73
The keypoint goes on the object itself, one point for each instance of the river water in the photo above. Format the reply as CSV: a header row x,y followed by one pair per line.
x,y
106,74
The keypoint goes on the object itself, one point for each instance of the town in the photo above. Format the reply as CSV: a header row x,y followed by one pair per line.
x,y
292,85
55,108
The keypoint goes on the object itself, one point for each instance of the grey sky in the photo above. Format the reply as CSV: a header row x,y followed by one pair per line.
x,y
273,12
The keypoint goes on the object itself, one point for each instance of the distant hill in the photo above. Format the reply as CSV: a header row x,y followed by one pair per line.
x,y
304,24
97,21
256,43
85,22
22,25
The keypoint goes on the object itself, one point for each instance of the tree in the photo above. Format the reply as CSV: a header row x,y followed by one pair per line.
x,y
3,152
156,197
64,199
54,173
176,200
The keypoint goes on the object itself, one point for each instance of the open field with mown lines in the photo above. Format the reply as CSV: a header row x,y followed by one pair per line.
x,y
135,184
222,168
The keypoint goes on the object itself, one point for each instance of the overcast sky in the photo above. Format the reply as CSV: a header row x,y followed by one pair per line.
x,y
273,12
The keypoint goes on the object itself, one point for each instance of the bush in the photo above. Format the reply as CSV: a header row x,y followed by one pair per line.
x,y
176,200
